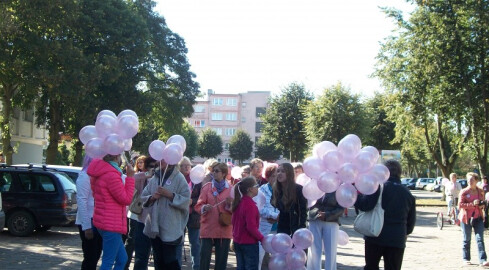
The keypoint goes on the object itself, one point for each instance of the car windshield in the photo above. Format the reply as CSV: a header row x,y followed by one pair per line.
x,y
66,181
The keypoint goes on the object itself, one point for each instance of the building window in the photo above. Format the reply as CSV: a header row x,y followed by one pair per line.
x,y
29,115
243,119
232,102
230,131
226,146
199,123
199,109
231,116
258,127
243,104
260,111
230,160
216,116
218,131
217,101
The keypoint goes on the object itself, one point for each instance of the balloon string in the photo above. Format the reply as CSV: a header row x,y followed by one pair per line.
x,y
163,173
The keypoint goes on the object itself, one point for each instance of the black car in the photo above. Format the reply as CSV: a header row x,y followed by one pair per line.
x,y
463,182
36,199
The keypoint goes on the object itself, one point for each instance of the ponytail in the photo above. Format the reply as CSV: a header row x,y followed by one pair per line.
x,y
242,188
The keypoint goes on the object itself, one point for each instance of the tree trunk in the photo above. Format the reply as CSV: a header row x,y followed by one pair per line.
x,y
54,128
8,150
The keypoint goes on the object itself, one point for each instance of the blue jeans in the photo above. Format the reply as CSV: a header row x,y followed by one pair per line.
x,y
142,247
113,250
246,256
194,239
478,226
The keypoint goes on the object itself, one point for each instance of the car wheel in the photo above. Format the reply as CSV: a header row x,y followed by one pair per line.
x,y
21,223
43,228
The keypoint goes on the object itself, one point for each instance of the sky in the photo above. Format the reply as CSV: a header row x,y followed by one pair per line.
x,y
235,46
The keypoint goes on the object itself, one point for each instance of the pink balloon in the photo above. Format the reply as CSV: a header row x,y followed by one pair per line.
x,y
155,149
296,258
346,195
367,184
311,190
197,174
328,182
332,160
302,238
107,112
348,173
322,148
277,262
127,126
267,243
172,153
313,167
87,133
373,151
349,146
364,161
125,113
113,144
343,238
94,148
381,172
178,139
105,125
281,243
127,144
302,179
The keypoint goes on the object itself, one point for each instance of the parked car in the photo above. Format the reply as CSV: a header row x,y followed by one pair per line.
x,y
2,215
36,199
71,171
463,182
425,183
409,182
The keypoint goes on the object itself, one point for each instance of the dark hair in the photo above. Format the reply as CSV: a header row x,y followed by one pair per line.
x,y
394,167
148,162
242,188
285,191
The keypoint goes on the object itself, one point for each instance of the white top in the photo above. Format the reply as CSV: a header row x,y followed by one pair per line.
x,y
84,199
453,190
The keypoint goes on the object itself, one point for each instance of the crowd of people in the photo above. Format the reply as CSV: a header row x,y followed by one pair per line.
x,y
149,209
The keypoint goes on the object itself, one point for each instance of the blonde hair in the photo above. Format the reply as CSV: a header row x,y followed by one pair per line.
x,y
472,174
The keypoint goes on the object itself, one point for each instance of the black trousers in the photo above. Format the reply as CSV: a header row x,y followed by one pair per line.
x,y
92,249
392,257
165,256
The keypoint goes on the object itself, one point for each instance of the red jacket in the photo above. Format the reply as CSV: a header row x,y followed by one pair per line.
x,y
467,208
246,222
111,196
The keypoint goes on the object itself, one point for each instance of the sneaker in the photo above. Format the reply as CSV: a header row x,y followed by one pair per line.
x,y
485,264
467,262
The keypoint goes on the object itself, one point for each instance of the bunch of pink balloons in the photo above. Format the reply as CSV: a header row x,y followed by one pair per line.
x,y
286,252
171,152
112,134
347,169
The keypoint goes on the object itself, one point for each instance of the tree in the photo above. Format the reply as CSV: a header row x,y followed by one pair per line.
x,y
335,114
283,121
240,146
382,131
191,138
267,150
210,144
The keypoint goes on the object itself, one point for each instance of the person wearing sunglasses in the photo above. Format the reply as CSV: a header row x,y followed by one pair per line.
x,y
214,201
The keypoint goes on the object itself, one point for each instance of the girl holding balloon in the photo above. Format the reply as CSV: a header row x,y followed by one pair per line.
x,y
245,224
289,200
324,224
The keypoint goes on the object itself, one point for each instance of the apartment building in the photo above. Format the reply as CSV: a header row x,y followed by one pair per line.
x,y
227,113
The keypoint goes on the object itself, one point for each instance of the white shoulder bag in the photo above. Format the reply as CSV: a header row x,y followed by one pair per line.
x,y
370,223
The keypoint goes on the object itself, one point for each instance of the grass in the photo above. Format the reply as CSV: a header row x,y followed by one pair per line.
x,y
430,202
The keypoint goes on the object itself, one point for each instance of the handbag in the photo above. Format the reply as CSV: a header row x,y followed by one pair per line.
x,y
370,223
136,206
225,218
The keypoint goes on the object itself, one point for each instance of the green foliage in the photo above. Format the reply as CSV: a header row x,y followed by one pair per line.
x,y
267,150
283,121
335,114
210,144
382,130
63,155
192,140
240,146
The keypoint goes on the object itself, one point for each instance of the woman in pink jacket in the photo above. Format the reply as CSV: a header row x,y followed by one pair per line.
x,y
111,195
214,199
